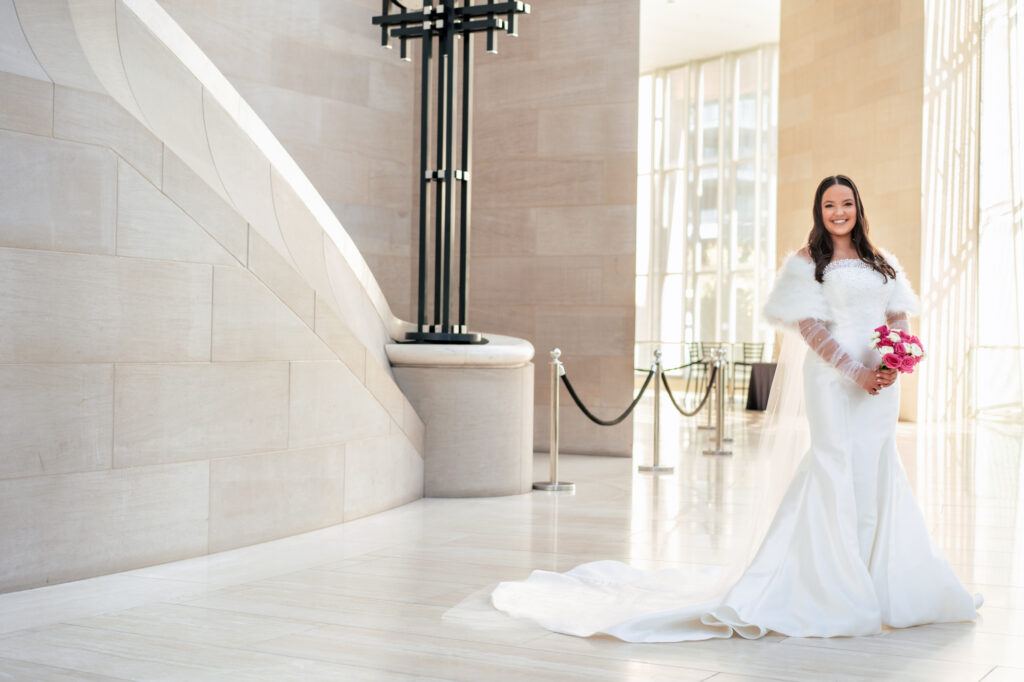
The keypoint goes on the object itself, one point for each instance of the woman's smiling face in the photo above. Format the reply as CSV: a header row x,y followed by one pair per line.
x,y
839,210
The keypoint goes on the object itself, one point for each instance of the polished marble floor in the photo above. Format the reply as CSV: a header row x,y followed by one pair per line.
x,y
403,595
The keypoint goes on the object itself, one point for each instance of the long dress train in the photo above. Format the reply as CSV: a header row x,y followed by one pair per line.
x,y
848,549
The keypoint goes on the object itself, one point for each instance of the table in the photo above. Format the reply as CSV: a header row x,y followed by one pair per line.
x,y
761,376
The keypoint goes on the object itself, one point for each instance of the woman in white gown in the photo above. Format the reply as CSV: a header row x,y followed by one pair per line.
x,y
847,550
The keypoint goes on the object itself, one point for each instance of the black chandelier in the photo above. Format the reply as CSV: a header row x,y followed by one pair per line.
x,y
445,20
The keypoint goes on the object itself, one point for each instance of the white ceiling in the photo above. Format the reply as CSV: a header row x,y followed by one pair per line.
x,y
677,31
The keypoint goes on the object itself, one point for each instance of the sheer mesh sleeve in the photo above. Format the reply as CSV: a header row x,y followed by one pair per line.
x,y
821,341
898,321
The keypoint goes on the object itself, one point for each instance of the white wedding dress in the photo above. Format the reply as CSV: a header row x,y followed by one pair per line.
x,y
847,550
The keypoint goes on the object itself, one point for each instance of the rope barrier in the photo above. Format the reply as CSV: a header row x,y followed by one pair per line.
x,y
673,369
609,422
707,392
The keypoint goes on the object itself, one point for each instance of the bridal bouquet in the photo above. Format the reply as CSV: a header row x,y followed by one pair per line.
x,y
899,350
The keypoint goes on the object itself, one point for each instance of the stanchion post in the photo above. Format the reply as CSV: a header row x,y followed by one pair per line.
x,y
656,466
557,370
709,426
719,404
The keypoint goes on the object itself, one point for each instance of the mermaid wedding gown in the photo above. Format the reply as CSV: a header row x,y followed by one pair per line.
x,y
848,549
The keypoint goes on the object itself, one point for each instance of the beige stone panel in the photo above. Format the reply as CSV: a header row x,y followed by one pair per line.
x,y
395,276
358,129
300,66
329,405
593,129
391,85
505,319
474,426
72,526
586,230
414,428
16,55
508,231
84,116
547,279
609,29
56,195
381,473
604,331
267,264
26,105
340,339
341,177
149,225
390,186
188,411
302,233
57,418
293,116
236,47
539,182
351,301
618,280
62,307
250,323
50,30
255,498
180,119
508,133
381,383
245,172
543,83
620,179
377,230
206,207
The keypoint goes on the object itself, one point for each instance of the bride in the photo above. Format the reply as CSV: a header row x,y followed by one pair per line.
x,y
847,551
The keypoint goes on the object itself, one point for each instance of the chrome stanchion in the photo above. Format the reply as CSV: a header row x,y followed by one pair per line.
x,y
709,426
557,370
719,404
656,467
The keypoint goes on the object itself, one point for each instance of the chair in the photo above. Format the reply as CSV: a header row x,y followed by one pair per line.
x,y
752,352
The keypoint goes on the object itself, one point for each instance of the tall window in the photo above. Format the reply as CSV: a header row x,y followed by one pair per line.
x,y
706,201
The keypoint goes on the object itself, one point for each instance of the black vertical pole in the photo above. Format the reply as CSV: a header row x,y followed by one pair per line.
x,y
446,20
464,195
442,186
449,170
421,314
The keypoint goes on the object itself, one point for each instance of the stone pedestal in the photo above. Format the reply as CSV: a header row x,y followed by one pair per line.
x,y
476,402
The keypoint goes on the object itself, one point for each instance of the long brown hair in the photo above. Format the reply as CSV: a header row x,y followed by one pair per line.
x,y
819,241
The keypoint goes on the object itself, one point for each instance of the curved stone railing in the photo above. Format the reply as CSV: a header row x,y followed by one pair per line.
x,y
141,57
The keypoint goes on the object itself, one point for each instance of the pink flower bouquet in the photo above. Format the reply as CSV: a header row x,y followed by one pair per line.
x,y
899,350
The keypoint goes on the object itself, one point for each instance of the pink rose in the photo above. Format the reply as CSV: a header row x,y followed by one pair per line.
x,y
907,364
905,336
892,361
899,349
883,330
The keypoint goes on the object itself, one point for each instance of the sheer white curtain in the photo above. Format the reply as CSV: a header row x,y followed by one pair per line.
x,y
997,361
706,202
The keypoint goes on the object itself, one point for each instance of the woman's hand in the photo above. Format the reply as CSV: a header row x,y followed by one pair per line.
x,y
887,377
869,379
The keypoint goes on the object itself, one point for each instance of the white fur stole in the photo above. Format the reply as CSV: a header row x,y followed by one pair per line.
x,y
796,295
903,299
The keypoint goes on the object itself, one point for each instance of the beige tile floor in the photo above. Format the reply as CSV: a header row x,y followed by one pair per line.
x,y
403,595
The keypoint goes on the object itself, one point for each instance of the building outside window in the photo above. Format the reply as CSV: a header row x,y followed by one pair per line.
x,y
706,202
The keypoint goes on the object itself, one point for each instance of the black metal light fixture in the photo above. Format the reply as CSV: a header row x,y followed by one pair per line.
x,y
445,21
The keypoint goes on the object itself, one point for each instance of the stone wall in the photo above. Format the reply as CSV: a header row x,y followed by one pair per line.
x,y
341,104
170,385
851,93
554,219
